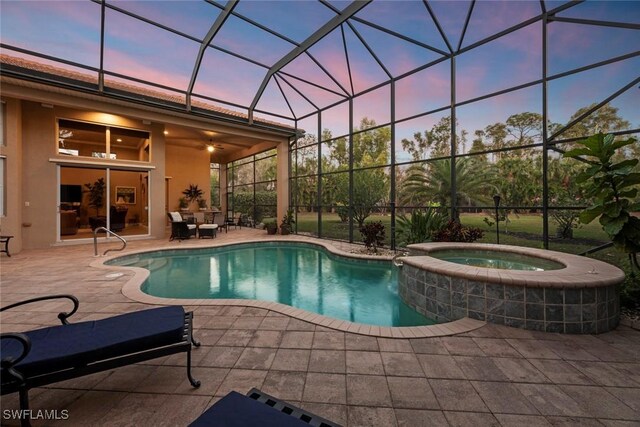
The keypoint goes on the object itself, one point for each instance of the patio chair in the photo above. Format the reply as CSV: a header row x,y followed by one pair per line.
x,y
219,220
180,229
257,408
57,353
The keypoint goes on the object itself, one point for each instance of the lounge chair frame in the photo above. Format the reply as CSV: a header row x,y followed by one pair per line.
x,y
180,230
13,381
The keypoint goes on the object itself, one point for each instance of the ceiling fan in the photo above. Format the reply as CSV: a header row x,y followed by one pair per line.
x,y
212,146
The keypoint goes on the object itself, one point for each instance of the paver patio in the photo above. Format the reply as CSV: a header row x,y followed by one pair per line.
x,y
493,375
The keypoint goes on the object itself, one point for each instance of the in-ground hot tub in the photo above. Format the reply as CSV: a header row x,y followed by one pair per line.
x,y
511,285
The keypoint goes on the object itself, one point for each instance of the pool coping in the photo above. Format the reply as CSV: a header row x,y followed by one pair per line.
x,y
132,290
579,271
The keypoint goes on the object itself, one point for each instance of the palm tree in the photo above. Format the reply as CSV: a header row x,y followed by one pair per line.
x,y
431,183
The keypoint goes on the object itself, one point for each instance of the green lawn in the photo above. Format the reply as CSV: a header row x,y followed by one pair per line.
x,y
530,224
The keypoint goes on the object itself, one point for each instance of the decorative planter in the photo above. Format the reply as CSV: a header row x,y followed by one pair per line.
x,y
271,228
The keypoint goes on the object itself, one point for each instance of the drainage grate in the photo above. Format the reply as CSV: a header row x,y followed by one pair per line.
x,y
307,417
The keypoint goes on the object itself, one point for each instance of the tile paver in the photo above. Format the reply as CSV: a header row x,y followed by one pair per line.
x,y
407,392
520,370
285,385
364,362
504,398
457,395
327,361
465,419
420,418
461,346
479,368
599,403
361,342
401,364
368,390
550,399
493,375
511,420
496,347
440,366
429,346
291,360
605,373
325,388
364,416
296,339
263,338
560,372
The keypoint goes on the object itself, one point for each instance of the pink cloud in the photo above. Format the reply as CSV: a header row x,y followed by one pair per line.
x,y
373,105
303,67
237,81
426,90
336,119
335,63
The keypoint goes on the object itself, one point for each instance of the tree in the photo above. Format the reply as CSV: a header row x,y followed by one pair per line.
x,y
478,144
436,141
520,180
603,120
526,128
614,189
497,135
370,186
431,183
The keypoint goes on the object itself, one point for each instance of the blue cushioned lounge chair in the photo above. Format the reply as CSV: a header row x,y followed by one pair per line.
x,y
48,355
257,409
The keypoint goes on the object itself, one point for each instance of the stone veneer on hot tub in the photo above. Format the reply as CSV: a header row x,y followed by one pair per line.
x,y
578,299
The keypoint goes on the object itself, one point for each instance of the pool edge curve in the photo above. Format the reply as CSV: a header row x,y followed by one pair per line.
x,y
132,290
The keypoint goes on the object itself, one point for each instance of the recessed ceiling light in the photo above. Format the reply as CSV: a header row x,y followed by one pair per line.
x,y
166,132
210,148
119,140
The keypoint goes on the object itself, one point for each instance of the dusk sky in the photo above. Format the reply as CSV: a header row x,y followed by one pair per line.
x,y
70,30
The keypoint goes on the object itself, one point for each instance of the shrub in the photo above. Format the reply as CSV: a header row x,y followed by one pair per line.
x,y
343,212
456,232
373,235
265,204
420,227
613,188
567,220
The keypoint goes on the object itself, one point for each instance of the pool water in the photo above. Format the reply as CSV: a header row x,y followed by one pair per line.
x,y
495,259
300,275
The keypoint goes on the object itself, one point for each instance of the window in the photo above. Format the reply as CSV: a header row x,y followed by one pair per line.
x,y
215,184
90,140
2,122
2,181
252,186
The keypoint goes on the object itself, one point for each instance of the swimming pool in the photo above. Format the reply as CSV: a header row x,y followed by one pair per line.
x,y
304,276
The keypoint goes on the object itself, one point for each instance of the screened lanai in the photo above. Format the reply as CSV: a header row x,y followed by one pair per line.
x,y
390,106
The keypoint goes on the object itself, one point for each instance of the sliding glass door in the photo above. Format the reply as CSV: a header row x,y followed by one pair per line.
x,y
93,197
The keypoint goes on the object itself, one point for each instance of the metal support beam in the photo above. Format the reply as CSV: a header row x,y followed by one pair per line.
x,y
629,26
545,138
332,24
319,176
453,140
101,72
217,25
392,174
350,170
